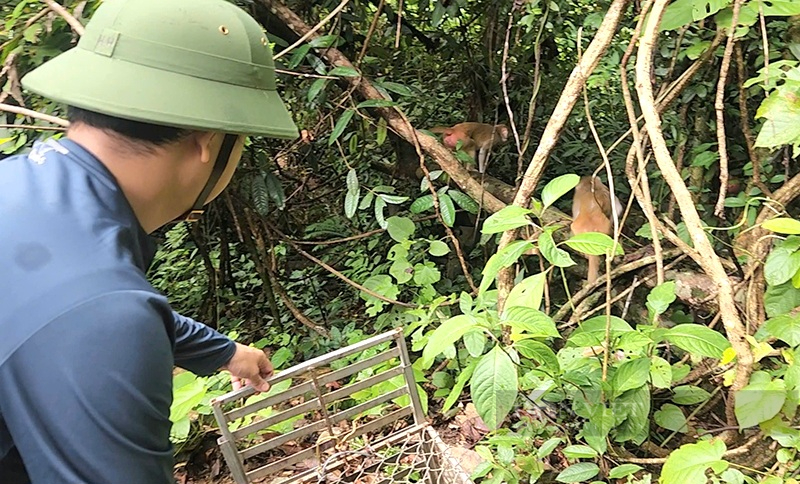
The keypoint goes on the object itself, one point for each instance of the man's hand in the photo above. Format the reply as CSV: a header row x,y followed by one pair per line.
x,y
249,366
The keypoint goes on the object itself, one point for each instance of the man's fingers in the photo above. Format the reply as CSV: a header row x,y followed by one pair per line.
x,y
259,384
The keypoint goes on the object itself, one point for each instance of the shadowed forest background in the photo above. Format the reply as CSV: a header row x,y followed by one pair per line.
x,y
677,365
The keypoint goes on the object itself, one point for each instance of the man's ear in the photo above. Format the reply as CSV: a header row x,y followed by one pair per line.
x,y
204,141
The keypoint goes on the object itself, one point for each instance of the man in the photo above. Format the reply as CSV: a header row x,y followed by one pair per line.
x,y
161,95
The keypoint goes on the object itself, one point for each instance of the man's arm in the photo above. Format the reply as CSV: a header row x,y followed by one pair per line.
x,y
199,348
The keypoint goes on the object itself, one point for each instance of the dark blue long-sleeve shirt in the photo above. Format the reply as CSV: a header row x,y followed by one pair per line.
x,y
87,345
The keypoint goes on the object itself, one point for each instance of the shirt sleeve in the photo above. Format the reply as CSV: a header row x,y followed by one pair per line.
x,y
199,348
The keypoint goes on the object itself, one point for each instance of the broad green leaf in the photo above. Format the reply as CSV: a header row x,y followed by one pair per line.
x,y
343,71
445,335
538,352
426,273
352,180
782,112
393,199
531,321
422,204
510,217
623,471
557,187
579,452
401,270
661,296
554,255
634,407
341,125
504,258
783,225
528,293
631,374
380,284
593,243
397,88
735,476
464,201
316,88
785,327
275,190
580,472
260,194
592,332
455,393
475,342
689,463
351,203
447,209
380,205
781,299
494,387
671,417
595,431
376,103
323,41
677,14
186,397
400,228
689,395
759,401
698,340
548,447
660,372
438,248
782,264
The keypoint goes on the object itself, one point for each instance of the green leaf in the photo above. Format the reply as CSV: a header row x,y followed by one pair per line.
x,y
595,431
580,472
631,374
352,181
475,342
698,340
554,255
759,401
782,111
504,258
186,397
426,273
494,387
689,463
785,327
548,447
341,125
579,452
379,284
376,103
782,264
531,322
782,225
592,332
528,293
323,41
316,88
455,393
393,199
260,195
422,204
351,203
660,372
447,209
380,205
689,395
397,88
671,417
557,187
661,297
634,407
623,471
400,228
438,248
402,271
344,71
510,217
275,190
677,14
445,335
538,352
593,243
464,201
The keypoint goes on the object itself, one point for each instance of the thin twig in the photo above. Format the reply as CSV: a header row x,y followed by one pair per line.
x,y
719,107
311,32
33,114
71,20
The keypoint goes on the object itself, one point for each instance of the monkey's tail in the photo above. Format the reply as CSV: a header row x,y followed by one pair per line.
x,y
439,129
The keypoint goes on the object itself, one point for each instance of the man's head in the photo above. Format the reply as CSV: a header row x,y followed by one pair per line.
x,y
176,75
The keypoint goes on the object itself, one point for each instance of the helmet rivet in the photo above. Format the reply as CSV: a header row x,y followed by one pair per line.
x,y
263,41
223,29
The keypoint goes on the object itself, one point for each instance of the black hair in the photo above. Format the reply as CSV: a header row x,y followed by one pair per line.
x,y
138,132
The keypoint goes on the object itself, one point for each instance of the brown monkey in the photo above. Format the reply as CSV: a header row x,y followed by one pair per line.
x,y
591,212
475,138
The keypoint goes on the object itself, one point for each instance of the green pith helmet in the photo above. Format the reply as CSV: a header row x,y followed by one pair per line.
x,y
196,64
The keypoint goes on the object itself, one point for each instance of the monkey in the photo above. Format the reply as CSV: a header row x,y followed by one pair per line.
x,y
474,138
591,212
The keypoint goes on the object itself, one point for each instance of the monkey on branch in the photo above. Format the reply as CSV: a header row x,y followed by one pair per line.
x,y
473,138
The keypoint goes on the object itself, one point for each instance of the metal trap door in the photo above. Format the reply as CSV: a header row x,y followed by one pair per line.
x,y
312,406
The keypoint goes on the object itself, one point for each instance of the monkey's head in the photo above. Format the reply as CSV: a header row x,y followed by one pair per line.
x,y
502,131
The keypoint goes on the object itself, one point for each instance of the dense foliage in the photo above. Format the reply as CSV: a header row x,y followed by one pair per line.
x,y
323,241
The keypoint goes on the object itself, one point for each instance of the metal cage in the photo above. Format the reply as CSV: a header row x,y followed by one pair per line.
x,y
381,437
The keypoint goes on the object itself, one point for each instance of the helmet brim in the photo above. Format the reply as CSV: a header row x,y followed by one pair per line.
x,y
122,89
